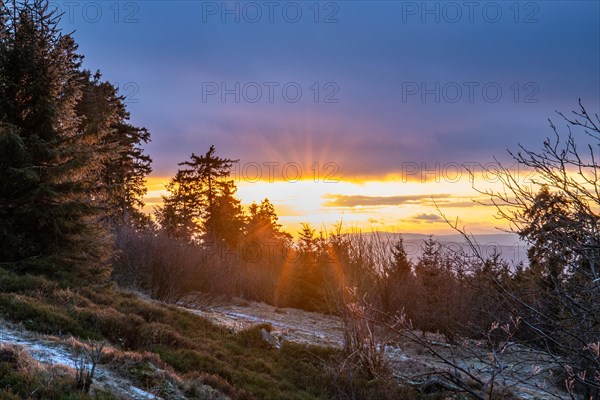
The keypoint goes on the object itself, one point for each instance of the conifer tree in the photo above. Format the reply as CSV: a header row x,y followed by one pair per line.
x,y
394,279
201,206
263,224
180,214
429,275
103,114
226,218
60,132
308,281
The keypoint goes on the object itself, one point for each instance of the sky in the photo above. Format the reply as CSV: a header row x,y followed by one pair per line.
x,y
365,112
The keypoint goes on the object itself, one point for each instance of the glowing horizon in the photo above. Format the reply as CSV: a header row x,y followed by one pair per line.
x,y
367,205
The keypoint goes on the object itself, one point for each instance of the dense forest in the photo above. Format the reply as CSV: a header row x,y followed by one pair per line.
x,y
73,236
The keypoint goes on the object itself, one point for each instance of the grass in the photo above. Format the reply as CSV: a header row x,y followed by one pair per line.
x,y
239,365
23,378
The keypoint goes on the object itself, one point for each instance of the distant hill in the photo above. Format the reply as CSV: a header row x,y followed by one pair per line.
x,y
509,245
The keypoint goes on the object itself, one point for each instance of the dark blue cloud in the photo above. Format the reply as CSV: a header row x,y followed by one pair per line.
x,y
375,56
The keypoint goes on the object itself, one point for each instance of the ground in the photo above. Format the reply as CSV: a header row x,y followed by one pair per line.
x,y
59,355
522,372
525,372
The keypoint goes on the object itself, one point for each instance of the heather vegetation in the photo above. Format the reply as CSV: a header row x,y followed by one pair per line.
x,y
73,237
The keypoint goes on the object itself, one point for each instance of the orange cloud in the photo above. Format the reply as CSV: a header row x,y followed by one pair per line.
x,y
339,200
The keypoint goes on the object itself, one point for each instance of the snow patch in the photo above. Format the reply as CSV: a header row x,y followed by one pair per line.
x,y
142,394
39,351
50,352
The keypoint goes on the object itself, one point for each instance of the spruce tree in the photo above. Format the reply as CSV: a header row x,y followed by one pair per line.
x,y
226,218
262,225
122,178
201,206
429,275
49,197
180,214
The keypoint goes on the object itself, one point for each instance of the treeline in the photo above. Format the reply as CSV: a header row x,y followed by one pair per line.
x,y
205,242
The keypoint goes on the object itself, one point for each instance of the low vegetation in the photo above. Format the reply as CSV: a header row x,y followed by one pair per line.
x,y
24,378
152,337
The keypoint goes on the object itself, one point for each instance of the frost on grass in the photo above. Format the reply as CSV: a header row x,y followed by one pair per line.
x,y
528,373
52,352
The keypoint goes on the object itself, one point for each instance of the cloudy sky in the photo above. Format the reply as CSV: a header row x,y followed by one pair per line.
x,y
355,110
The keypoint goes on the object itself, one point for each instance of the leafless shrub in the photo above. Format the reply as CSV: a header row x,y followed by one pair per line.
x,y
487,370
154,263
86,357
364,344
556,209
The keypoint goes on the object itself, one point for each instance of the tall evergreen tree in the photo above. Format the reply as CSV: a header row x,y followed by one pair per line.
x,y
201,205
180,214
49,211
103,114
225,221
